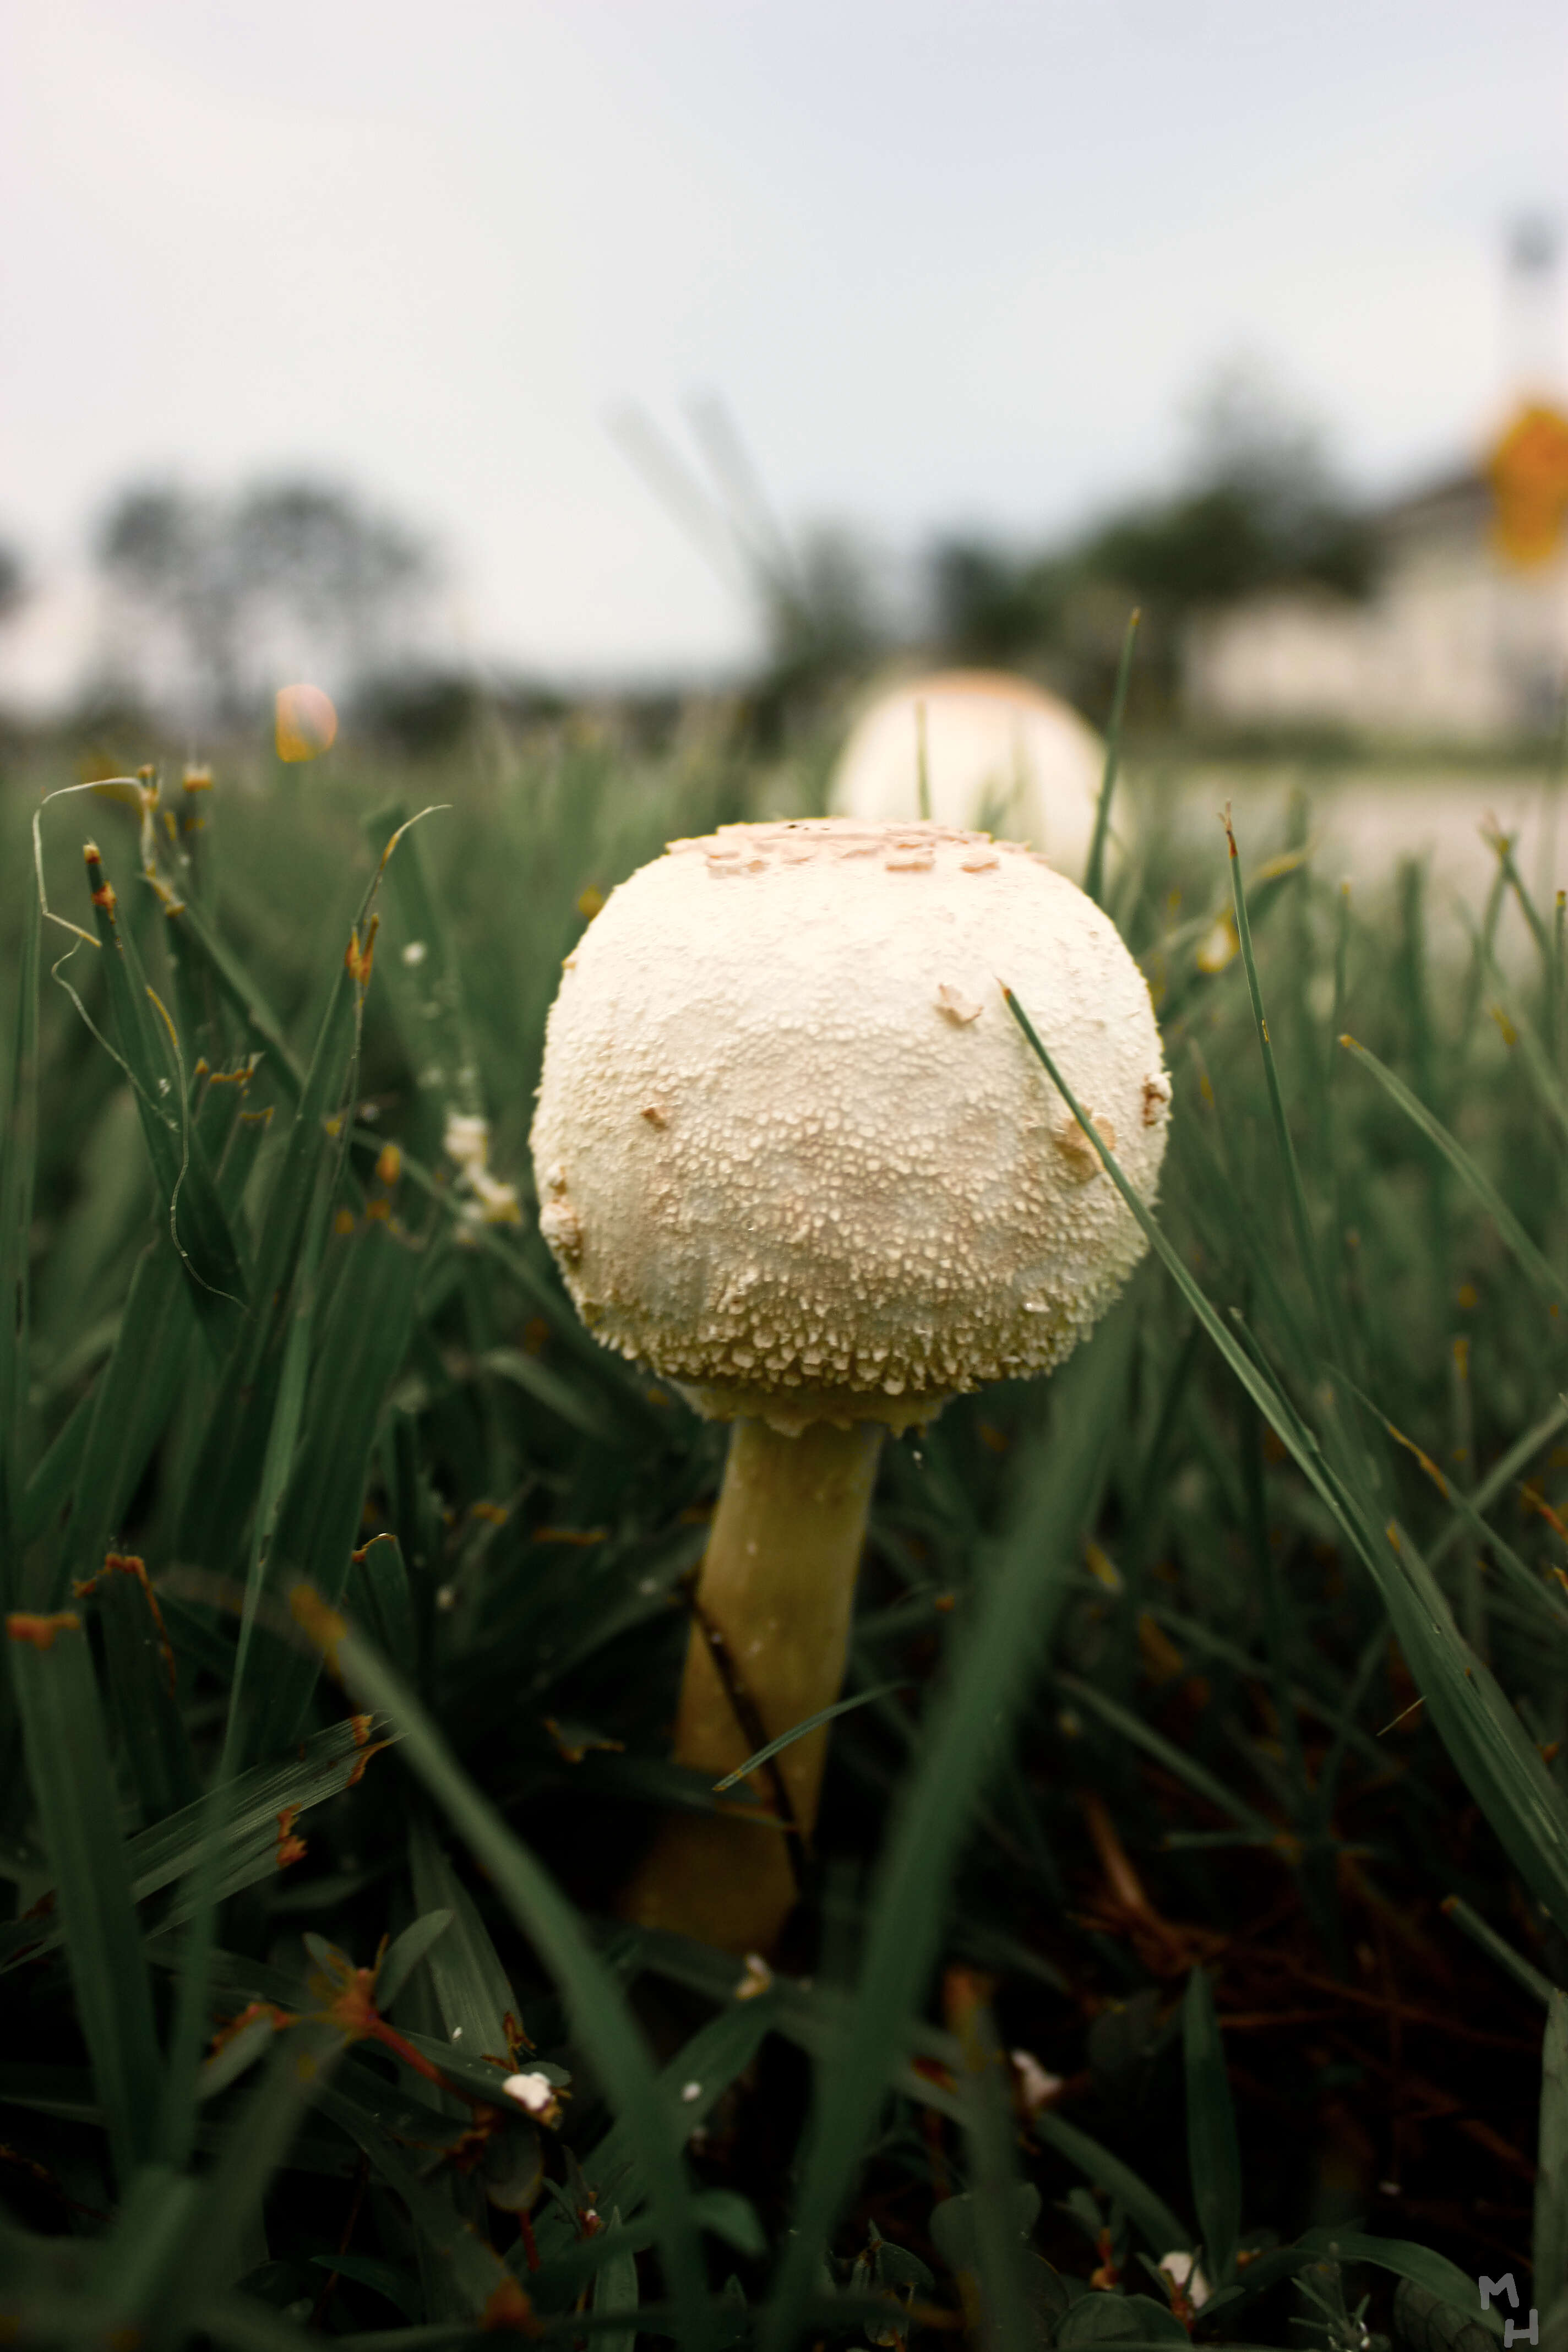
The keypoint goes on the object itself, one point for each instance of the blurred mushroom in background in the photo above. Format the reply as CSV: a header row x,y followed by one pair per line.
x,y
1002,756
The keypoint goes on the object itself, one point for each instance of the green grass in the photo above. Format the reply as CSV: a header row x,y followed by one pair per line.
x,y
1208,1700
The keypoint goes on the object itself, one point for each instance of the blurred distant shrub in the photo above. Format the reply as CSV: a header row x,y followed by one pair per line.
x,y
992,606
13,581
1260,504
425,711
211,596
1257,505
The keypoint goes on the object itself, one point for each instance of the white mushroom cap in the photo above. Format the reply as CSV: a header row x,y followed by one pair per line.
x,y
794,1151
1000,754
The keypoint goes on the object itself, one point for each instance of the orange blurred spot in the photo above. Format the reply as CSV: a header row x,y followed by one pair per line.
x,y
41,1631
307,722
1529,474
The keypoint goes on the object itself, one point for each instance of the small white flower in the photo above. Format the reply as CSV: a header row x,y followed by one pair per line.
x,y
467,1140
534,2092
1181,2271
691,2091
757,1978
1035,2087
414,953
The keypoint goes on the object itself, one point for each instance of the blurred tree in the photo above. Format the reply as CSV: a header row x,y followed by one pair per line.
x,y
315,552
215,596
1257,505
13,581
991,605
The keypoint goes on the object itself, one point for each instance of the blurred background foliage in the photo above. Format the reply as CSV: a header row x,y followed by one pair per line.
x,y
206,600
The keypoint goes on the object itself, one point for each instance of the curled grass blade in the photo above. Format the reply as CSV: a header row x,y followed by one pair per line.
x,y
148,1049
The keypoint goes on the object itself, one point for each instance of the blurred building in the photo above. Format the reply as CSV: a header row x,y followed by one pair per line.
x,y
1464,633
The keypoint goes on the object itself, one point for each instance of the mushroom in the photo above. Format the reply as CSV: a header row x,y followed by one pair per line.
x,y
999,752
861,1197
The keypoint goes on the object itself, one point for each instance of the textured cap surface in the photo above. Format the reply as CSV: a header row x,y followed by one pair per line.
x,y
792,1148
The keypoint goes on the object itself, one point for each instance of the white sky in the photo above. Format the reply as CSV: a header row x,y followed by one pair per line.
x,y
947,261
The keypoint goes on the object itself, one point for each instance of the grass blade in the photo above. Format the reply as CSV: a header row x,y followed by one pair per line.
x,y
1528,1980
1012,1627
1499,1764
73,1787
18,1149
593,2000
202,946
325,1765
798,1731
615,2291
297,2074
1213,2156
472,1990
141,1661
1094,874
1512,1233
1147,2211
1300,1219
1007,2319
361,1346
1550,2249
1130,1727
149,1053
238,1445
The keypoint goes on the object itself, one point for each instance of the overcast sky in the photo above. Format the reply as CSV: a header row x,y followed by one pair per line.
x,y
947,261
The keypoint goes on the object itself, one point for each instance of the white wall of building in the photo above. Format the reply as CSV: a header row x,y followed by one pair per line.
x,y
1453,643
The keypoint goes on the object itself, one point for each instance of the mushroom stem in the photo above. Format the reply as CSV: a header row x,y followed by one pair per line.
x,y
768,1646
